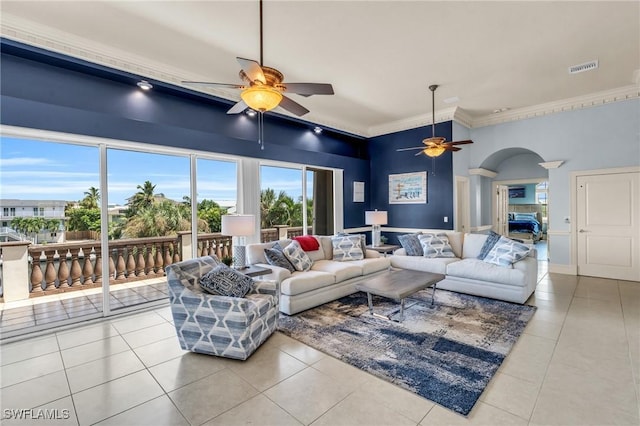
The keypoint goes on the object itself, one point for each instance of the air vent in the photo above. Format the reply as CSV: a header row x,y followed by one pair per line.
x,y
587,66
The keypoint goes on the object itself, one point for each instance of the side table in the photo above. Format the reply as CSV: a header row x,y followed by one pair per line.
x,y
383,248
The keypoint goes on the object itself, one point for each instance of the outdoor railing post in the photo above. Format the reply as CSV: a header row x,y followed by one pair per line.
x,y
184,239
15,270
50,271
63,269
87,267
76,270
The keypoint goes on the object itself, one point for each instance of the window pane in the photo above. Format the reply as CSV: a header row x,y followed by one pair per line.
x,y
42,196
280,202
148,207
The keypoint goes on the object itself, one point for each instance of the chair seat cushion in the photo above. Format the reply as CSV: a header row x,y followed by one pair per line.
x,y
224,281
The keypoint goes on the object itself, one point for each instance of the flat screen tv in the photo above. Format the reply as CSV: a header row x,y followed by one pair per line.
x,y
516,192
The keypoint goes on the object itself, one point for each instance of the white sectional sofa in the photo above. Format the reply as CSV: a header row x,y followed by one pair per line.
x,y
465,273
327,280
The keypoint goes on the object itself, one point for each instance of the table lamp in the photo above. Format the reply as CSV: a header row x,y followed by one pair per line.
x,y
375,218
238,226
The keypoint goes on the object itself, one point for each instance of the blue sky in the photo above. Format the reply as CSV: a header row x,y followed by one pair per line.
x,y
54,171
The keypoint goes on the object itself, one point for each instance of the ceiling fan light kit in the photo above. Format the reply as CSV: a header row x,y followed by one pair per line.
x,y
261,98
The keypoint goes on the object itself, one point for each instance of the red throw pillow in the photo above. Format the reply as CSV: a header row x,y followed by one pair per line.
x,y
307,242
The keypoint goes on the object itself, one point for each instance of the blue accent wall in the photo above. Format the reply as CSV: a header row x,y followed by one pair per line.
x,y
45,90
385,160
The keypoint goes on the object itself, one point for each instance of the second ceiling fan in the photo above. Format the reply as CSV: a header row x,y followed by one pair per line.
x,y
435,146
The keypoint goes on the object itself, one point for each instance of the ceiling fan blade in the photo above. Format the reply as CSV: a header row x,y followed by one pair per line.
x,y
308,89
421,152
451,148
208,83
252,70
238,108
468,141
293,107
410,149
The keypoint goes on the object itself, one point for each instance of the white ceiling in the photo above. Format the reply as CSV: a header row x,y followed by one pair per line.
x,y
380,56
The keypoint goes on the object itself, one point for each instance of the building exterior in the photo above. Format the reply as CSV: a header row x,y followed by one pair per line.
x,y
45,209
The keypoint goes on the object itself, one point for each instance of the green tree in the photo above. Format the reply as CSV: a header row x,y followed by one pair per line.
x,y
83,219
275,210
91,198
142,199
159,219
29,225
211,212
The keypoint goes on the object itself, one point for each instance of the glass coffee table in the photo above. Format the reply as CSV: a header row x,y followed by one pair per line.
x,y
398,284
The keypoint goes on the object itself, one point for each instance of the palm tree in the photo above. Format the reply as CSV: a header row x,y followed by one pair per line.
x,y
143,198
91,198
275,210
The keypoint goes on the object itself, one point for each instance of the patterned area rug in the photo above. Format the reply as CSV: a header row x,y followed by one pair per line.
x,y
447,353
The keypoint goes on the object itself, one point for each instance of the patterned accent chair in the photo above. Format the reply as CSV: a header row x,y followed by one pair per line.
x,y
230,327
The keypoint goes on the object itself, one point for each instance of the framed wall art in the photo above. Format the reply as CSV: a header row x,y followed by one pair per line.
x,y
408,188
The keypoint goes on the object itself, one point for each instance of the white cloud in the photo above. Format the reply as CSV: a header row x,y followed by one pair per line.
x,y
24,161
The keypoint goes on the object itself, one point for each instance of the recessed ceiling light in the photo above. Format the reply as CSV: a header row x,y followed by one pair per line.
x,y
250,112
451,100
144,85
499,110
317,130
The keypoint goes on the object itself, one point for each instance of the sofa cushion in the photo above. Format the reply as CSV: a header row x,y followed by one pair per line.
x,y
506,252
373,264
473,245
224,281
435,245
302,282
327,247
297,256
276,257
476,269
411,244
421,263
318,253
342,270
455,241
347,247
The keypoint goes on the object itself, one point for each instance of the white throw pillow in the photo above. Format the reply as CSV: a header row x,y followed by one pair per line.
x,y
347,247
436,245
297,256
507,252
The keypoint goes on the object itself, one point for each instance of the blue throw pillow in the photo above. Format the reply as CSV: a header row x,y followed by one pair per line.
x,y
411,244
224,281
276,257
507,252
491,241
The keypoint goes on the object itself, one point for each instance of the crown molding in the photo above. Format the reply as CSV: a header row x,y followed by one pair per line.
x,y
412,122
570,104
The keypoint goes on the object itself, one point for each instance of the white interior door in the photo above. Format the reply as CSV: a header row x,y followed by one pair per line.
x,y
462,213
501,224
608,216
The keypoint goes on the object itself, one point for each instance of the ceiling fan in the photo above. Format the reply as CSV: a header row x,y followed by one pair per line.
x,y
263,89
435,146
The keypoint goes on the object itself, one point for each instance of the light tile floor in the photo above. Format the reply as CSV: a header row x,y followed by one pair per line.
x,y
576,364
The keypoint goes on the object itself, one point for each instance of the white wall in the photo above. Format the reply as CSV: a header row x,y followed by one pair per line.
x,y
606,136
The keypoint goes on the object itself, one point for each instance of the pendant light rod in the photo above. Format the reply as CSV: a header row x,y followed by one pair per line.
x,y
433,88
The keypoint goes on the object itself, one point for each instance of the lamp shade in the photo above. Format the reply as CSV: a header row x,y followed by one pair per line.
x,y
375,217
238,225
261,98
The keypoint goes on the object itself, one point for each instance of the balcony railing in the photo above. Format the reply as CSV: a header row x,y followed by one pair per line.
x,y
32,270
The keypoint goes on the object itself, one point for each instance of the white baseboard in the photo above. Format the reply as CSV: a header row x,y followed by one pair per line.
x,y
563,269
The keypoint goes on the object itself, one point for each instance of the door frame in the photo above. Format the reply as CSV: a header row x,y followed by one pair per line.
x,y
462,207
494,197
574,203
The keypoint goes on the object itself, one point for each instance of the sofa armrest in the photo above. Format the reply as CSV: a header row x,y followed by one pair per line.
x,y
372,254
533,253
265,287
277,274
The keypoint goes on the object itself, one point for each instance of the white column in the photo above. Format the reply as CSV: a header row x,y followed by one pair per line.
x,y
15,270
